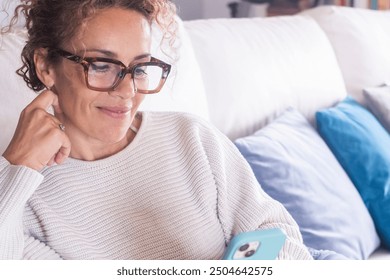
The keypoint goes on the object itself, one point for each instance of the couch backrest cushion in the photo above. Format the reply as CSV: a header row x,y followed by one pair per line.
x,y
183,91
253,69
14,94
7,8
378,102
361,41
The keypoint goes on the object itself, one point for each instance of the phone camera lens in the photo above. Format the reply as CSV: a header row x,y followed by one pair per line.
x,y
244,247
249,253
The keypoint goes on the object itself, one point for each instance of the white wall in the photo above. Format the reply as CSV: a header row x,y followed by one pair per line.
x,y
216,8
197,9
189,9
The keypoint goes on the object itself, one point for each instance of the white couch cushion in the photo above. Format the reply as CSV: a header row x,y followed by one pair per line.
x,y
14,93
183,91
361,41
7,8
253,69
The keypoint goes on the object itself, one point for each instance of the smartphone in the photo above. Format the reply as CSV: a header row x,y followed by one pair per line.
x,y
256,245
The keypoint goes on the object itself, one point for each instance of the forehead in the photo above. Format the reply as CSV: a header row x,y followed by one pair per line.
x,y
115,30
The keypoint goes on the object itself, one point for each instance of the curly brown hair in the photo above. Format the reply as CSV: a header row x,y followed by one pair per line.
x,y
51,22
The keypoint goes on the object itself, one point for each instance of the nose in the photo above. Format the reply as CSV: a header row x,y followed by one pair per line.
x,y
125,89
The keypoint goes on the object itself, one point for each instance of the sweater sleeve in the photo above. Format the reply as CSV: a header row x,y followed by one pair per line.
x,y
242,203
17,184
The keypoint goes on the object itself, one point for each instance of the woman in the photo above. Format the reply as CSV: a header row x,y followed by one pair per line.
x,y
100,180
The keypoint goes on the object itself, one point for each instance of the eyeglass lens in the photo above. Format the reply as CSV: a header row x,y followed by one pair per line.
x,y
106,74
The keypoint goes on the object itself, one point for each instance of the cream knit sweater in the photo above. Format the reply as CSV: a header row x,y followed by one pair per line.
x,y
180,190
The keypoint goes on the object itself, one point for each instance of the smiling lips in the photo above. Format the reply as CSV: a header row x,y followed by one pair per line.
x,y
116,112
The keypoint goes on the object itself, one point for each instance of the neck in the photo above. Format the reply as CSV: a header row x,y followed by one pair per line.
x,y
89,148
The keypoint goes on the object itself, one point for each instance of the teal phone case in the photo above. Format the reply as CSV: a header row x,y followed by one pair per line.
x,y
243,245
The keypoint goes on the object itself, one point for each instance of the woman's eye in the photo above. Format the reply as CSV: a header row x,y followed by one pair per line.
x,y
140,72
101,67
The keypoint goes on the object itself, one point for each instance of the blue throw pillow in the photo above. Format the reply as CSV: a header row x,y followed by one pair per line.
x,y
362,146
295,166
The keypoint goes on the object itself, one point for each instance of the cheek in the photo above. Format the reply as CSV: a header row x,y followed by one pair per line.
x,y
70,100
71,90
69,78
138,99
75,102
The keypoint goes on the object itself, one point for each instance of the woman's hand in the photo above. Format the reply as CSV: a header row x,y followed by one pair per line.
x,y
38,140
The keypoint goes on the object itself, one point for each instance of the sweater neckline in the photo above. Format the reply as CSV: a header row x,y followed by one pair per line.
x,y
119,155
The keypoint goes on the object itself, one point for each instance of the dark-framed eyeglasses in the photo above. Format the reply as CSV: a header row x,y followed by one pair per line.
x,y
105,74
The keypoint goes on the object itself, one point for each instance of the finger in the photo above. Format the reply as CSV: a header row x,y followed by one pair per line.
x,y
44,101
60,157
51,161
64,151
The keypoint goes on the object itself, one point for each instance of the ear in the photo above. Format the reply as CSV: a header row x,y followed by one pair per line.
x,y
44,70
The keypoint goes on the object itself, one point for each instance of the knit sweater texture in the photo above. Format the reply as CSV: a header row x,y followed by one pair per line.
x,y
179,190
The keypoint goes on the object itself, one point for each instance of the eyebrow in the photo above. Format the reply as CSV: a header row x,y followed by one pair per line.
x,y
113,55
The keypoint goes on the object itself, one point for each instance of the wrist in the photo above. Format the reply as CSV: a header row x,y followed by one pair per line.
x,y
13,159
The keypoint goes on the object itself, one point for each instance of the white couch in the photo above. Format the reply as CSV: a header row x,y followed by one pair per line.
x,y
241,74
